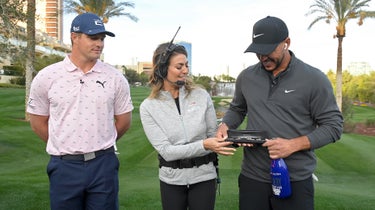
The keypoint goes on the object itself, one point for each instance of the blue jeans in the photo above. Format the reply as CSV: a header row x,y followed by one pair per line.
x,y
84,185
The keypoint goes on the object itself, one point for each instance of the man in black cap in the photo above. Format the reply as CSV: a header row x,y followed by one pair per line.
x,y
80,106
294,103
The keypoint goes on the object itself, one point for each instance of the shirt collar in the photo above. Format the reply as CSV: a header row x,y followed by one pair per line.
x,y
69,65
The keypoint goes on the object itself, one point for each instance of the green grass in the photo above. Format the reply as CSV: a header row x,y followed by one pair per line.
x,y
363,114
346,169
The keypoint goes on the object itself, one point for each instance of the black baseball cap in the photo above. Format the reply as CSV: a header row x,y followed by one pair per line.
x,y
90,24
267,34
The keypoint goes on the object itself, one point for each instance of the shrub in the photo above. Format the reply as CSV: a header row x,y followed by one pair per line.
x,y
347,112
370,122
18,81
349,126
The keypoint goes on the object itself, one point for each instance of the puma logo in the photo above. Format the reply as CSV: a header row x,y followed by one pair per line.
x,y
102,83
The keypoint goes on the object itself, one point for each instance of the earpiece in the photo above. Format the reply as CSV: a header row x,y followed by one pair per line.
x,y
161,72
285,46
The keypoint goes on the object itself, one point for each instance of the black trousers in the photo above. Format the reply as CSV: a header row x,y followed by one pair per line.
x,y
199,196
255,195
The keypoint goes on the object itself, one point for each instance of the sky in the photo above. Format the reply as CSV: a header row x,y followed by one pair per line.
x,y
220,31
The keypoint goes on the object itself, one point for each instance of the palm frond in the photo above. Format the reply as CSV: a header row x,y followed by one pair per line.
x,y
105,9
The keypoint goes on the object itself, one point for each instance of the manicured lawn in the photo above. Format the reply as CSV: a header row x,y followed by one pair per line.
x,y
346,169
363,113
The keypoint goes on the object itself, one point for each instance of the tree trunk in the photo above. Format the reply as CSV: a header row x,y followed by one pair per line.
x,y
339,73
30,50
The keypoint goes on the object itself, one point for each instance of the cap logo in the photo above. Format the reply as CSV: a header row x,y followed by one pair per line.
x,y
75,28
98,23
257,35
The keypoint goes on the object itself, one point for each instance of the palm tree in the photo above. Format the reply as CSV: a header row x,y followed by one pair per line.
x,y
30,49
341,11
11,13
104,8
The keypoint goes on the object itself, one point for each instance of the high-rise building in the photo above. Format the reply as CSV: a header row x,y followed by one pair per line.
x,y
48,28
49,18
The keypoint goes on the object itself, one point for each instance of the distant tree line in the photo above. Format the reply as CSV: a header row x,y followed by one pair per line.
x,y
357,88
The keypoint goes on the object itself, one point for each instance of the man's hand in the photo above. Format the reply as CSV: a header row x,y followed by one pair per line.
x,y
222,131
282,148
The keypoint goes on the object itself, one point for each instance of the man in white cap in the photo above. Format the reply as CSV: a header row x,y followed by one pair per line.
x,y
294,103
80,106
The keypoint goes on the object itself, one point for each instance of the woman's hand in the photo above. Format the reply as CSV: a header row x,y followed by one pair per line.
x,y
219,145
